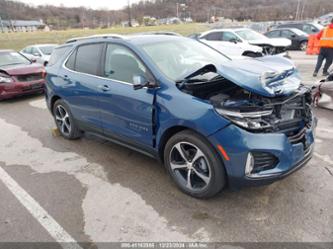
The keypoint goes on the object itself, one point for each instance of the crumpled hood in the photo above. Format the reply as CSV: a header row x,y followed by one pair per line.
x,y
275,42
248,74
22,69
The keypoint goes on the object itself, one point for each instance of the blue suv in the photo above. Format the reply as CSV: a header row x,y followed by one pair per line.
x,y
211,120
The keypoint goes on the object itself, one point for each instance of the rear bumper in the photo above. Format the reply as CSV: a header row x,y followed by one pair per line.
x,y
15,89
238,143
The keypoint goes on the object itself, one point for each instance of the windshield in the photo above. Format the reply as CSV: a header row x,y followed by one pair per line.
x,y
177,58
47,50
250,35
12,58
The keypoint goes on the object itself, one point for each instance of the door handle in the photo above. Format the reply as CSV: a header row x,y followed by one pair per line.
x,y
104,88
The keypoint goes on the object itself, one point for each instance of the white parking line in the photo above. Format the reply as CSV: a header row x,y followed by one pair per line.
x,y
40,214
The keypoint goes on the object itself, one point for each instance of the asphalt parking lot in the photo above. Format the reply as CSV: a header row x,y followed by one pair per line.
x,y
92,190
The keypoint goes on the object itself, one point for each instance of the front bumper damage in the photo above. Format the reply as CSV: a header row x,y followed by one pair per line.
x,y
285,155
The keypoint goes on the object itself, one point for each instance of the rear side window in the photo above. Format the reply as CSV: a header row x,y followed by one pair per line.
x,y
57,54
87,58
70,64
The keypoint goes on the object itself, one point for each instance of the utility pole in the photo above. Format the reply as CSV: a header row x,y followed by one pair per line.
x,y
177,10
303,9
1,24
129,14
298,10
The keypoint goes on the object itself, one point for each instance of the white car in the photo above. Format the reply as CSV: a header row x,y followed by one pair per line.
x,y
243,41
39,53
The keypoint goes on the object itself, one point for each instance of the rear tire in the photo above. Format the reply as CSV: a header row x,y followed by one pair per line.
x,y
194,165
65,121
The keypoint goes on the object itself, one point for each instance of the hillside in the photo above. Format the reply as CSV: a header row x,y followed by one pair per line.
x,y
258,10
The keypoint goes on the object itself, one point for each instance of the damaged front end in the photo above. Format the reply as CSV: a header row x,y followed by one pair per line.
x,y
287,114
290,113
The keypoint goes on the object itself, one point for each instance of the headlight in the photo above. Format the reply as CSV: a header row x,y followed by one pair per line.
x,y
248,120
4,79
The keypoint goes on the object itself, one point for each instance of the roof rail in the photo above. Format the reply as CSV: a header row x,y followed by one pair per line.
x,y
158,33
75,39
117,36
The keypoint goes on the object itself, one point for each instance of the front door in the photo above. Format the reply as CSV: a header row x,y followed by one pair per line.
x,y
126,113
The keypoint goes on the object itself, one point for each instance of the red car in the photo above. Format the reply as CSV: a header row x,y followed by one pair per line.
x,y
19,76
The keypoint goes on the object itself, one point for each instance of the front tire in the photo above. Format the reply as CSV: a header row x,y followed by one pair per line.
x,y
303,46
65,121
194,165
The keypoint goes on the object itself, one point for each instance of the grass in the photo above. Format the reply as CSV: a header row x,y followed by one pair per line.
x,y
17,41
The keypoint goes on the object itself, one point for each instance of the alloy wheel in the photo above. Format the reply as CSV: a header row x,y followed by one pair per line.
x,y
62,119
303,46
190,166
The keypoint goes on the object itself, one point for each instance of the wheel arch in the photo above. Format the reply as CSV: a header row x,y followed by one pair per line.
x,y
52,102
166,136
171,131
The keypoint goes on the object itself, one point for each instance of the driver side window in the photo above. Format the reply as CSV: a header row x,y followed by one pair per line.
x,y
121,64
28,50
287,34
35,52
309,29
230,37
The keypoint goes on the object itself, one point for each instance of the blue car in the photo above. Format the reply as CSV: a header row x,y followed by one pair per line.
x,y
212,121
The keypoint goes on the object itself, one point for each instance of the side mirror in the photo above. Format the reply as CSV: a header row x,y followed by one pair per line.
x,y
293,36
33,60
140,81
45,63
233,40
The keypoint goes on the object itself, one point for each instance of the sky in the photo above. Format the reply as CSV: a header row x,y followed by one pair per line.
x,y
94,4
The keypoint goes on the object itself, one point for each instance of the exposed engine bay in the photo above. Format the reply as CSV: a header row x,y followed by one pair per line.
x,y
284,114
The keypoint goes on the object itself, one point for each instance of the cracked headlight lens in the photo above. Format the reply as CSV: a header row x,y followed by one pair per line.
x,y
248,120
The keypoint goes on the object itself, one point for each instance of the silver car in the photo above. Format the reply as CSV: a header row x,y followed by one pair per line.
x,y
39,53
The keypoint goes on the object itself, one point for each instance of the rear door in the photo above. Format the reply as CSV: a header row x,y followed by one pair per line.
x,y
126,113
81,83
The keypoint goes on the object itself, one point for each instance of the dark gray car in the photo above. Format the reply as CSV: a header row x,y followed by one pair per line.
x,y
307,27
299,39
